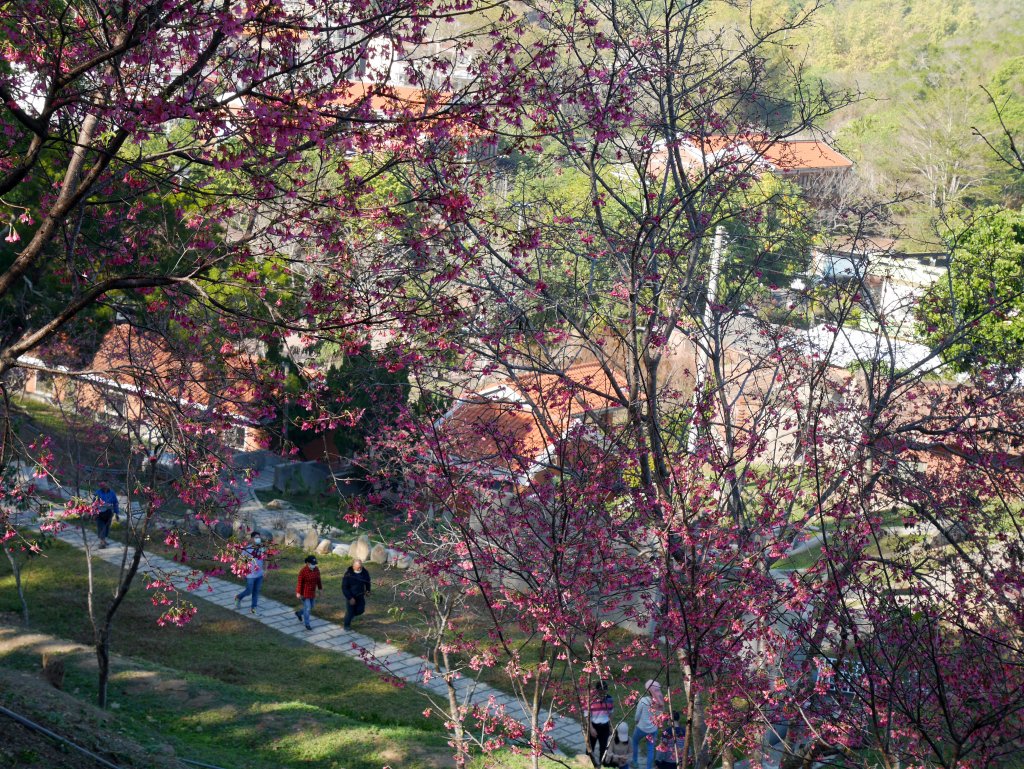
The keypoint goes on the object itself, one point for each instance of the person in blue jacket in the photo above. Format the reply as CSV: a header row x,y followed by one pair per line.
x,y
106,512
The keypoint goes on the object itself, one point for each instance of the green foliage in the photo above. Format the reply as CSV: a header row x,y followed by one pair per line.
x,y
1007,92
919,66
367,393
769,236
980,309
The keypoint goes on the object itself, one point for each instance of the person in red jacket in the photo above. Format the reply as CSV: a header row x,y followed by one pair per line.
x,y
308,589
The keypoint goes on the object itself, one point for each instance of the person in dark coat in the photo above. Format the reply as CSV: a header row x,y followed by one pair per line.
x,y
355,586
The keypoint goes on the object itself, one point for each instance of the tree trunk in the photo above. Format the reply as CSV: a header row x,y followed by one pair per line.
x,y
458,733
696,729
728,759
16,571
536,732
102,667
442,662
135,540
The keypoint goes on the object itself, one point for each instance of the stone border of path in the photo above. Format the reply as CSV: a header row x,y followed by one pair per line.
x,y
387,659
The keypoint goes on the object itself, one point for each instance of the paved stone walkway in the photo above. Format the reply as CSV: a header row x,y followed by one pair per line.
x,y
327,635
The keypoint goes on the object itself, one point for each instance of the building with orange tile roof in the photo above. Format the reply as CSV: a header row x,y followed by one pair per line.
x,y
512,429
136,375
805,161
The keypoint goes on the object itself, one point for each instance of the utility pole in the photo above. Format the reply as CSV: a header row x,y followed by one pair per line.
x,y
704,361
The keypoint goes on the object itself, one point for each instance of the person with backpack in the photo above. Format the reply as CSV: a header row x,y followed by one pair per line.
x,y
355,586
307,589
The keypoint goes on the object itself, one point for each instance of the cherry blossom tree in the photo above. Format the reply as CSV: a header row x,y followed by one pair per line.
x,y
218,173
735,443
609,449
217,176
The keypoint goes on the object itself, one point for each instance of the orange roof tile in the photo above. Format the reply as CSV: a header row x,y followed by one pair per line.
x,y
391,98
140,359
785,156
514,421
794,155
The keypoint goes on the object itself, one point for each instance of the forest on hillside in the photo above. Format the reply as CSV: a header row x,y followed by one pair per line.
x,y
929,80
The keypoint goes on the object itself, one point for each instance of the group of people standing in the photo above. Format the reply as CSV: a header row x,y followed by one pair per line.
x,y
355,584
663,743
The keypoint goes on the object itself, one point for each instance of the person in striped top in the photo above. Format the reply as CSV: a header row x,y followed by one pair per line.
x,y
672,746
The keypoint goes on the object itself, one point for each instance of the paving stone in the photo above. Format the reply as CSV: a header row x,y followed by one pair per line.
x,y
409,674
394,660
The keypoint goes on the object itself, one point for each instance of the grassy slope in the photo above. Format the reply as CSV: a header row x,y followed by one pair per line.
x,y
228,691
393,614
261,680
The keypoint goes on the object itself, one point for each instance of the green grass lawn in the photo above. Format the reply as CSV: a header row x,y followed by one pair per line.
x,y
220,644
238,725
78,443
392,614
162,712
802,560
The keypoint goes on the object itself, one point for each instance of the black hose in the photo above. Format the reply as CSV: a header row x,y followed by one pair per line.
x,y
98,759
53,735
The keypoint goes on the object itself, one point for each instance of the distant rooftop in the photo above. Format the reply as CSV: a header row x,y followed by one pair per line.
x,y
781,156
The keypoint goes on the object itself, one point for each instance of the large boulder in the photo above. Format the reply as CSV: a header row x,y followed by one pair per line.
x,y
950,533
316,477
341,550
310,539
404,561
276,504
284,477
223,529
379,554
292,538
360,549
324,547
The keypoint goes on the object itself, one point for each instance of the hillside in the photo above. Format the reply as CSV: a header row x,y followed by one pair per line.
x,y
917,72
